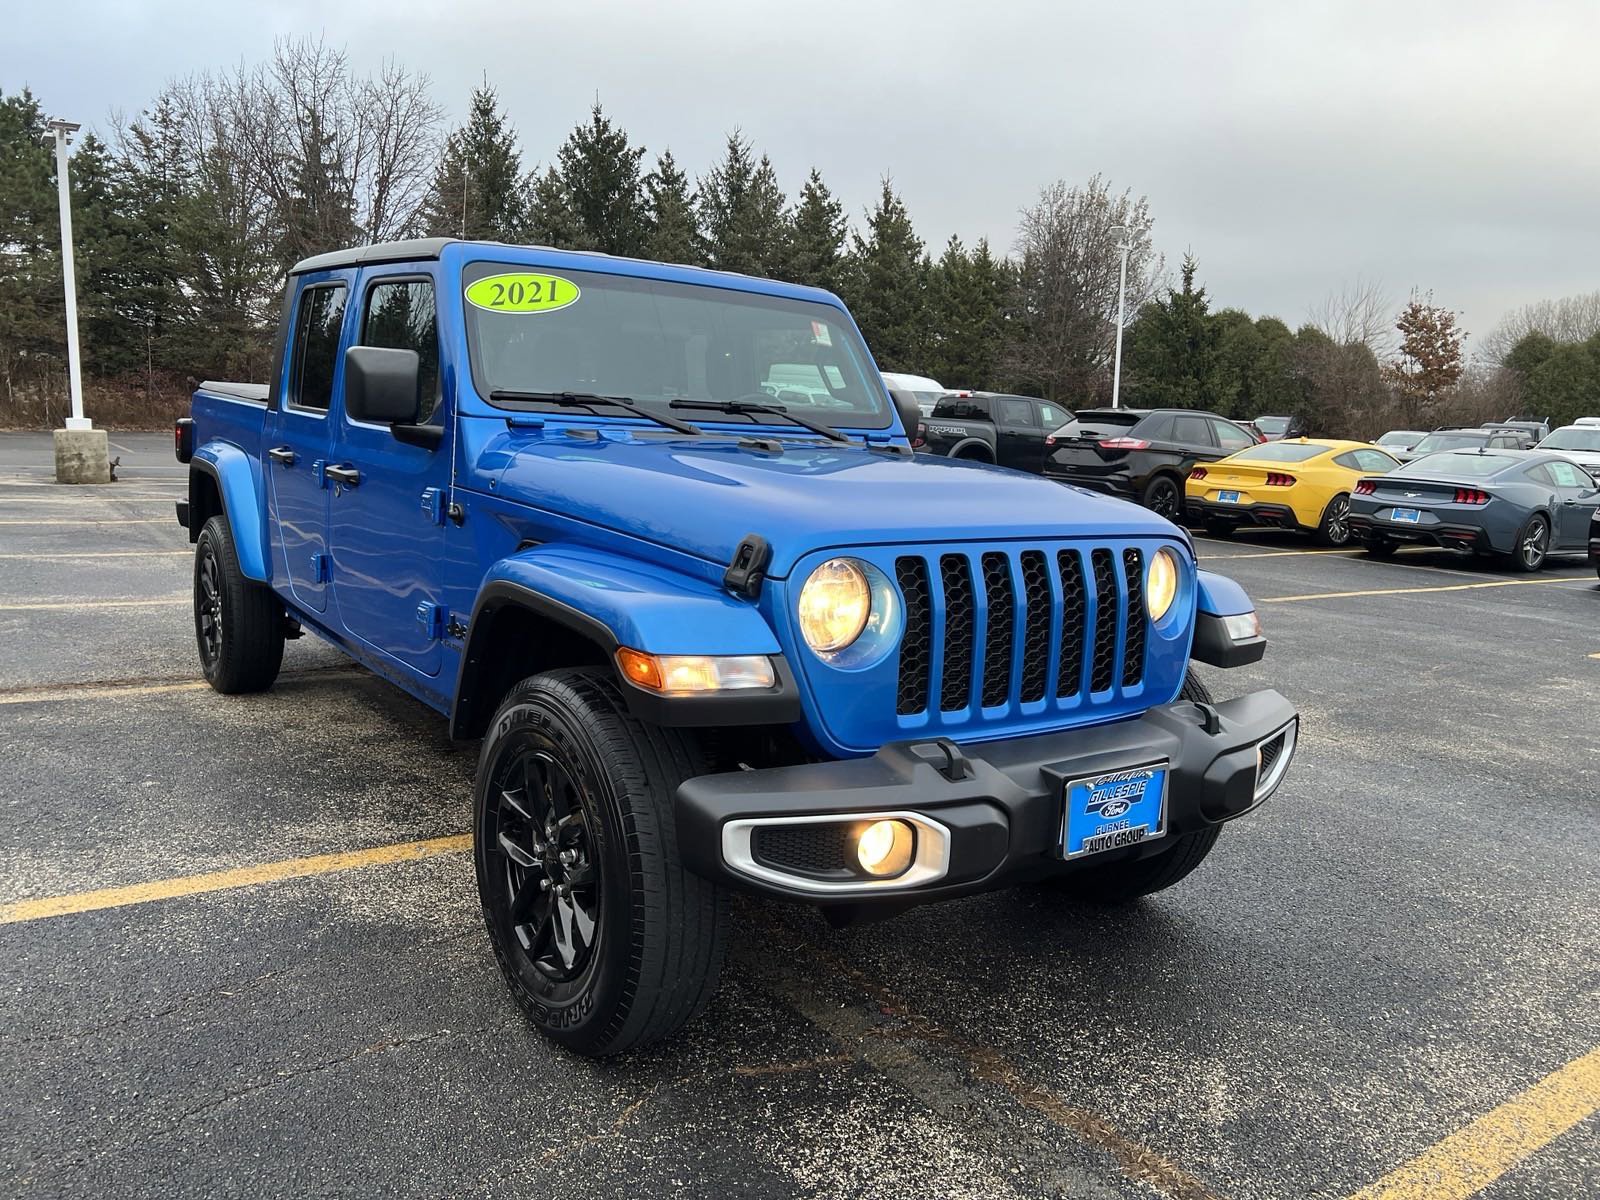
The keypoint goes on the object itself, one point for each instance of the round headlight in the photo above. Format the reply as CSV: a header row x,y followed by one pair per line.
x,y
834,605
1161,584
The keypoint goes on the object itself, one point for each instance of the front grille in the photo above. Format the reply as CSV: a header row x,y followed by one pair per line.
x,y
1040,628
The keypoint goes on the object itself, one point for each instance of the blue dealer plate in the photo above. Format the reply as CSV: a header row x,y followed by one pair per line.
x,y
1118,808
1228,497
1405,516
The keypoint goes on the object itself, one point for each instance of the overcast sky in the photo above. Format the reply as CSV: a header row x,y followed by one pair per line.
x,y
1292,146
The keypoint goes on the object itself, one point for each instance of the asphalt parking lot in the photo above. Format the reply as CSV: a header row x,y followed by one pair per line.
x,y
1383,984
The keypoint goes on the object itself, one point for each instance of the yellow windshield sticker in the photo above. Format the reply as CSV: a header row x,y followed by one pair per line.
x,y
523,293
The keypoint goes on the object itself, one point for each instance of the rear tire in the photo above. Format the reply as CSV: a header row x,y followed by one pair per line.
x,y
1533,545
1334,528
238,623
1164,497
1123,882
574,793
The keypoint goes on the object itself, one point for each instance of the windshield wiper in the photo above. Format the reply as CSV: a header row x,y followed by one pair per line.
x,y
590,399
746,408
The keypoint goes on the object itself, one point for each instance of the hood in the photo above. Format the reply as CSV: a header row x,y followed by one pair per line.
x,y
702,496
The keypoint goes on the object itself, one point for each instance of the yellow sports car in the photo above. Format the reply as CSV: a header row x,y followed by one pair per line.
x,y
1302,483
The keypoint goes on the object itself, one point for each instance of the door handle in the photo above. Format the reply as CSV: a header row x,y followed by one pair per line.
x,y
343,476
281,454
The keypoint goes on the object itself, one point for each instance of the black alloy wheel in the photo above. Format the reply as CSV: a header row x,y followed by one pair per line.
x,y
208,615
1161,497
546,864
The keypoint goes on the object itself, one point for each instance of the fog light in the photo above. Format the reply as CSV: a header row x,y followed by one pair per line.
x,y
884,848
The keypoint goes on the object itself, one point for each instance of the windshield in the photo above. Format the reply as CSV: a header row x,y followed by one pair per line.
x,y
1450,441
1452,466
1573,438
1400,437
1271,425
1284,452
655,342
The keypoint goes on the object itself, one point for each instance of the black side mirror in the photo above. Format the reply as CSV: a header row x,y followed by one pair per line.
x,y
910,412
381,386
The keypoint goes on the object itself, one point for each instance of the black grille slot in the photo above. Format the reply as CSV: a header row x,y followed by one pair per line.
x,y
1036,626
955,690
999,629
916,650
1073,614
1133,652
819,849
1103,671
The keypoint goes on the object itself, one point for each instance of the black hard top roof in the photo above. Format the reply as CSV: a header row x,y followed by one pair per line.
x,y
380,252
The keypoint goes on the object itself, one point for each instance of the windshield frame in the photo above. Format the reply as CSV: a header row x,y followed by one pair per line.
x,y
840,323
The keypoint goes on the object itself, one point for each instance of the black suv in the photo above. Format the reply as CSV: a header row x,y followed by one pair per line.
x,y
1140,454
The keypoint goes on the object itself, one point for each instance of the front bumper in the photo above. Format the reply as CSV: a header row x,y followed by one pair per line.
x,y
996,806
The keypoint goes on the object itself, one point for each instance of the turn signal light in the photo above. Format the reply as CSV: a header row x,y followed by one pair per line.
x,y
695,674
1471,496
1365,487
1123,443
1274,479
1198,473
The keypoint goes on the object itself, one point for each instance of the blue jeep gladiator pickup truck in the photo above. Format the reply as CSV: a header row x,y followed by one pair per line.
x,y
708,640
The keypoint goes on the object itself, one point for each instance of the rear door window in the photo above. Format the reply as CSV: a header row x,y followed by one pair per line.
x,y
1014,412
316,346
1192,431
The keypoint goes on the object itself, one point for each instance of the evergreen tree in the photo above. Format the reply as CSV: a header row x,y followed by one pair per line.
x,y
673,236
478,190
551,220
742,212
966,316
319,212
816,237
157,201
32,329
604,191
1170,350
883,287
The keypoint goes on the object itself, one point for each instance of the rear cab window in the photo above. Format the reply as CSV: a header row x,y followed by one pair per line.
x,y
963,408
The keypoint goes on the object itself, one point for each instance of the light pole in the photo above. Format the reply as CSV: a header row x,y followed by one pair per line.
x,y
1124,245
63,131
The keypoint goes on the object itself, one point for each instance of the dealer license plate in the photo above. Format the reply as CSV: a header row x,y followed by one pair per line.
x,y
1405,516
1228,497
1115,809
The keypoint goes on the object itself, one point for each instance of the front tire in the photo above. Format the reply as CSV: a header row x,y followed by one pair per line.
x,y
1122,882
606,941
238,623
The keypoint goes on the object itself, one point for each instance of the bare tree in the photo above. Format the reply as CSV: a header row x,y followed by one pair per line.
x,y
1570,319
1065,311
1358,314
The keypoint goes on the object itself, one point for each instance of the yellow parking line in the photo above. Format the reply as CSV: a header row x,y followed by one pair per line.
x,y
73,498
102,554
75,605
1470,1160
47,695
216,881
1449,587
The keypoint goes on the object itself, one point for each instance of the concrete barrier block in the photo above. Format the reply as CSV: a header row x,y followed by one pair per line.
x,y
82,456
